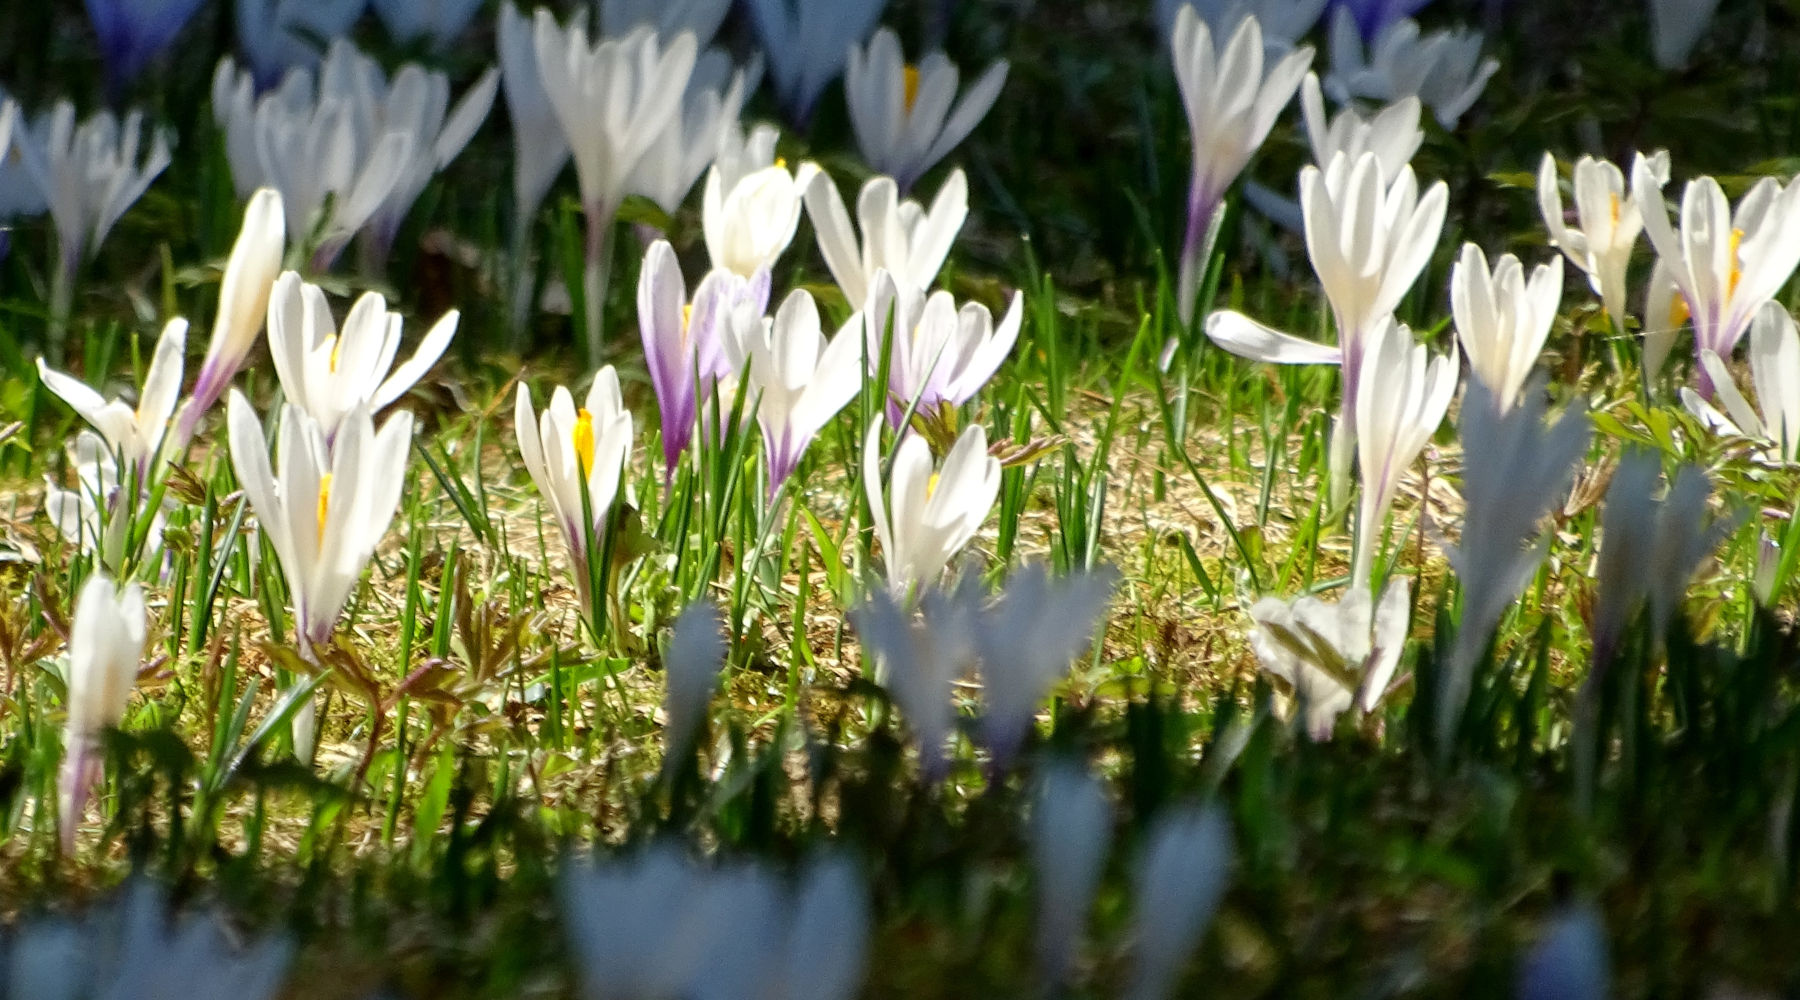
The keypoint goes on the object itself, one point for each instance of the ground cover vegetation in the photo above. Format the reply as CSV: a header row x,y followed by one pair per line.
x,y
831,498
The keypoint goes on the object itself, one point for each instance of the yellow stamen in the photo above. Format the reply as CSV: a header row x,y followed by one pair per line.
x,y
1678,311
1615,207
337,344
687,317
1737,269
781,161
912,86
931,485
324,504
583,436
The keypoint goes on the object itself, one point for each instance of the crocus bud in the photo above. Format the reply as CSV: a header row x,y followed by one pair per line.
x,y
106,642
243,302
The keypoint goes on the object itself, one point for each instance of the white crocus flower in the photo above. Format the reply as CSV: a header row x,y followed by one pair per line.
x,y
1726,263
1502,320
244,289
688,144
1392,133
799,380
278,35
1178,882
1775,372
808,42
539,149
106,645
1608,223
89,174
303,141
1444,68
437,22
701,18
569,451
1676,27
938,354
1407,394
1368,238
1517,470
922,515
1284,22
1333,656
612,99
1231,105
903,115
899,236
323,504
742,152
133,434
89,516
330,374
749,224
416,104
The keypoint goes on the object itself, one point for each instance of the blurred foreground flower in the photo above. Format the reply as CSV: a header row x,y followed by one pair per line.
x,y
1178,882
658,925
1333,656
1569,960
799,380
135,946
1775,372
1443,68
1725,263
808,42
927,515
899,236
1231,105
612,99
1649,547
1609,223
1071,828
329,374
577,458
1516,471
903,114
106,644
937,354
695,655
1502,320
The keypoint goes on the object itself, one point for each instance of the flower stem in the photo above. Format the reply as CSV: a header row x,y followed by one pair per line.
x,y
596,276
62,302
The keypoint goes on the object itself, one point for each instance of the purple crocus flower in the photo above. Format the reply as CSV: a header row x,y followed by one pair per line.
x,y
133,32
1372,16
682,340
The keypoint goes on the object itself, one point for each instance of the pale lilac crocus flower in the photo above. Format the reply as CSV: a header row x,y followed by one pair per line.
x,y
800,380
938,354
278,35
683,342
